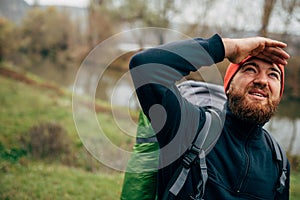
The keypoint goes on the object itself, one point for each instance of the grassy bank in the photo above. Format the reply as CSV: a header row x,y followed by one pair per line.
x,y
28,102
49,181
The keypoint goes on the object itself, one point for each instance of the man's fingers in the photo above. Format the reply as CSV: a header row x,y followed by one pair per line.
x,y
274,57
277,55
275,43
271,50
277,51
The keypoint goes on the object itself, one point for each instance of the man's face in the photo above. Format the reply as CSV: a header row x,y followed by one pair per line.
x,y
254,91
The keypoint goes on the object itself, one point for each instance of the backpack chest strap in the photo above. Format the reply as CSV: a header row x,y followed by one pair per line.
x,y
194,151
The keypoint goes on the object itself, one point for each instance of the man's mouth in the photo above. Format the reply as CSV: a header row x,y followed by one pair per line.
x,y
257,93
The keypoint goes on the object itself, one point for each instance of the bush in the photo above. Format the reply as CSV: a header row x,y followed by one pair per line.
x,y
48,140
294,161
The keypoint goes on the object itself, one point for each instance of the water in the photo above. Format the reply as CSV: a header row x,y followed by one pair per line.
x,y
287,132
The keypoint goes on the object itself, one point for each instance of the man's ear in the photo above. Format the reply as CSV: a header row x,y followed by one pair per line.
x,y
229,88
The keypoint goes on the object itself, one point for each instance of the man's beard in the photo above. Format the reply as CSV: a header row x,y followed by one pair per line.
x,y
250,111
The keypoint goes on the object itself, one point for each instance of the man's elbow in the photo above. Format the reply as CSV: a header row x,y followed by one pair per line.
x,y
136,60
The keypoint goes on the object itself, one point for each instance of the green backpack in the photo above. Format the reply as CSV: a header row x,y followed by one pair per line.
x,y
142,185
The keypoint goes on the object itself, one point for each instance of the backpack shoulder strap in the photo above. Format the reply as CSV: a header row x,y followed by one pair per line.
x,y
281,159
203,143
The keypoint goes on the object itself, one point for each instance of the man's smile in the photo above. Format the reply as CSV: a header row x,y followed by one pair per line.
x,y
258,94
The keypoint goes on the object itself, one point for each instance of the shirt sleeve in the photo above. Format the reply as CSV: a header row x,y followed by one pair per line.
x,y
154,73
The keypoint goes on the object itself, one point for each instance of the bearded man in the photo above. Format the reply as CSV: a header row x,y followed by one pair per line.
x,y
241,165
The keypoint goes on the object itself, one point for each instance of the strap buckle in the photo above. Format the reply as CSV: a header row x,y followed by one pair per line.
x,y
190,156
187,160
282,182
194,149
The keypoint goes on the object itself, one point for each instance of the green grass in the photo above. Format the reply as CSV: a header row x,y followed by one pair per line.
x,y
295,186
41,181
79,176
23,106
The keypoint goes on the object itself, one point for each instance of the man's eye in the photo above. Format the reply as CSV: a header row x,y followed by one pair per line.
x,y
274,75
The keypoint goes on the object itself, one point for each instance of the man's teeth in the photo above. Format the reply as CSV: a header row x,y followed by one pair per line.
x,y
258,94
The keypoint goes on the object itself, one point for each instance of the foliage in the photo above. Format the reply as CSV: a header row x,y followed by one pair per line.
x,y
294,162
292,90
47,38
24,111
11,155
156,13
48,140
46,33
46,130
100,24
7,38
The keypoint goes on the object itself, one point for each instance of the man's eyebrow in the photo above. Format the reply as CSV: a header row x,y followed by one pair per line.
x,y
276,70
273,68
250,63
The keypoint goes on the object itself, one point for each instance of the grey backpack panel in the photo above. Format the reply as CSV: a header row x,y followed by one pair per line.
x,y
203,94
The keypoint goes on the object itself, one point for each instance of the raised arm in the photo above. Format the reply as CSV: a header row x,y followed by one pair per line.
x,y
154,73
157,69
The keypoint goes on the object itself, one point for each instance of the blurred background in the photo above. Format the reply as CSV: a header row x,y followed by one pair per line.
x,y
43,43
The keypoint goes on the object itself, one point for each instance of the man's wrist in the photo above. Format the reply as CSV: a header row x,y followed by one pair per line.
x,y
216,48
229,48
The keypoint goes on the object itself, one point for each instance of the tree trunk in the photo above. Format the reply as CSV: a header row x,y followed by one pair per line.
x,y
267,10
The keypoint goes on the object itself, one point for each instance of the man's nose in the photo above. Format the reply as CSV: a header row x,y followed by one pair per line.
x,y
261,79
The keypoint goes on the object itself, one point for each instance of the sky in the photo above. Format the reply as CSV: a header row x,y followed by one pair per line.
x,y
76,3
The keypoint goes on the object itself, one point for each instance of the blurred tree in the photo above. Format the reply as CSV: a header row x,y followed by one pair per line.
x,y
290,7
101,23
47,33
8,43
199,26
267,11
156,13
36,3
140,13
